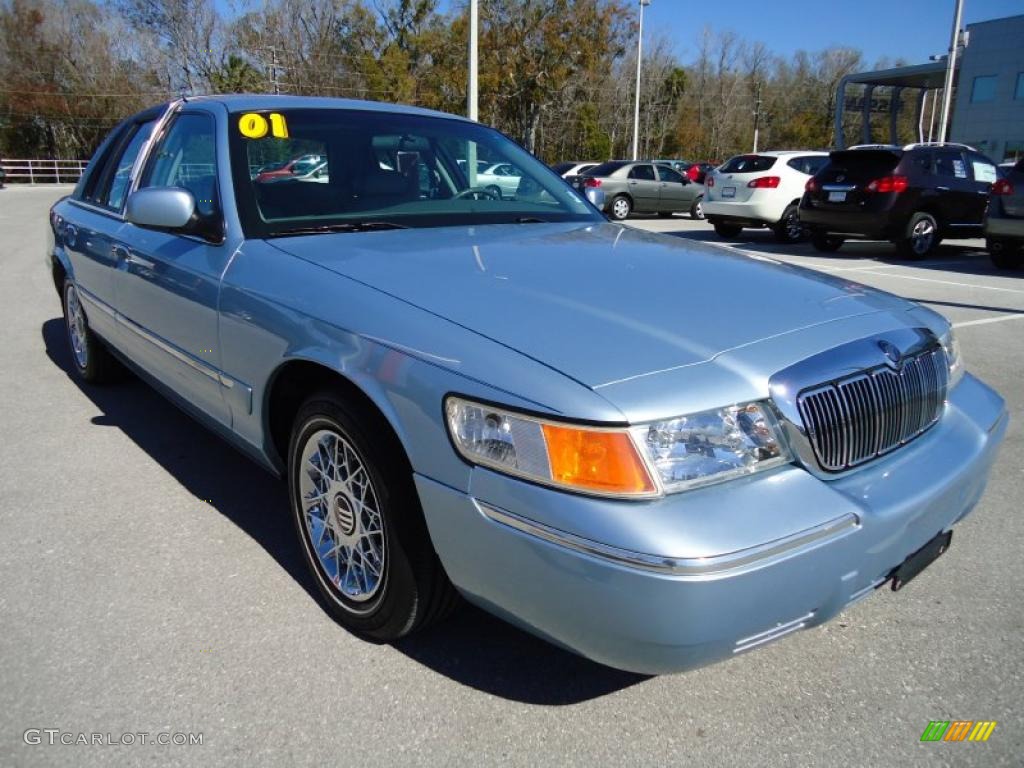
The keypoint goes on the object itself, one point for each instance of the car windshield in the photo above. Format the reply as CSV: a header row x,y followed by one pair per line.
x,y
404,170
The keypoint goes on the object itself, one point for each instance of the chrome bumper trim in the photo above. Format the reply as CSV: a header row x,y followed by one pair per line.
x,y
675,566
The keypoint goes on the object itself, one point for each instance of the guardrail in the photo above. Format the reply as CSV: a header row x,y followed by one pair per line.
x,y
41,171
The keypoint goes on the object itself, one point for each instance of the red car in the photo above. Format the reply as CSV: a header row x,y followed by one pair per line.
x,y
294,167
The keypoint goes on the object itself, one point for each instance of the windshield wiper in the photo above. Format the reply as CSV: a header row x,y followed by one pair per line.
x,y
531,220
347,226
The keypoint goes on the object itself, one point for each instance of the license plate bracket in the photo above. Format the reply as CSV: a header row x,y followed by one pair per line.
x,y
837,197
728,191
920,560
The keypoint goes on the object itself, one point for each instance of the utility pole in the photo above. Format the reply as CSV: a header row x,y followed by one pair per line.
x,y
274,80
757,114
639,56
947,90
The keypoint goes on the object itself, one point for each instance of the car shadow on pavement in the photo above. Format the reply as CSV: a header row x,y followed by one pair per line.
x,y
472,647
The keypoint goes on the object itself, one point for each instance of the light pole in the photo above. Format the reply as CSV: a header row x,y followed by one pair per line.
x,y
471,97
947,91
474,16
639,56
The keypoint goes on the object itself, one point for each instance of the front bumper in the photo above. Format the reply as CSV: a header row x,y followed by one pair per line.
x,y
674,609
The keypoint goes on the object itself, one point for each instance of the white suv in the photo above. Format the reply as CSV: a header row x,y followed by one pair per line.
x,y
761,190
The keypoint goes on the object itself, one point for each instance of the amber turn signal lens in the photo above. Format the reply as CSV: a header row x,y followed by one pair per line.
x,y
600,461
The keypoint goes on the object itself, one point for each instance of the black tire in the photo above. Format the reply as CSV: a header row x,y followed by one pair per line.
x,y
920,238
494,190
412,590
620,207
1005,254
92,360
697,209
727,230
826,243
789,229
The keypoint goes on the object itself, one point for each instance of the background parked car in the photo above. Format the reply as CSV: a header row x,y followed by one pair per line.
x,y
761,190
501,178
572,168
1004,221
913,195
298,166
642,188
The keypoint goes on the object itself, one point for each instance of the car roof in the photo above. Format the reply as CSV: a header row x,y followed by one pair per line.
x,y
788,152
239,102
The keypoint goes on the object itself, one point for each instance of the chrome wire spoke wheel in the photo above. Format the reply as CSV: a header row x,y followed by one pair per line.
x,y
76,327
342,516
922,236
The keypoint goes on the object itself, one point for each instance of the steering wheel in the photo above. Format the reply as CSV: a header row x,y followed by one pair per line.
x,y
478,193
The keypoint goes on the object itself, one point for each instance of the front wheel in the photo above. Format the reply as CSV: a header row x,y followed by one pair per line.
x,y
727,230
697,209
921,237
789,229
92,360
359,520
1005,254
621,207
827,243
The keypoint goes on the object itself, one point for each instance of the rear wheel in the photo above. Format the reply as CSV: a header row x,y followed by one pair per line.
x,y
789,229
827,243
697,209
725,229
1005,254
360,523
921,237
92,360
621,207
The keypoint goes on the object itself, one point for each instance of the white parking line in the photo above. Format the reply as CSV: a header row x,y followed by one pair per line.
x,y
987,320
942,282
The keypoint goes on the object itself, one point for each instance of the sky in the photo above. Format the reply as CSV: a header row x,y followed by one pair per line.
x,y
911,29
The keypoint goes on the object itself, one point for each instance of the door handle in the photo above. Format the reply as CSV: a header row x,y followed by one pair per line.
x,y
981,191
943,189
632,183
125,254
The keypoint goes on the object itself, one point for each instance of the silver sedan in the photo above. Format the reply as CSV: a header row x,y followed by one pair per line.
x,y
643,188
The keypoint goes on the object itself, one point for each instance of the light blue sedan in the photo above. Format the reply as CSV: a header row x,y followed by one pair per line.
x,y
648,451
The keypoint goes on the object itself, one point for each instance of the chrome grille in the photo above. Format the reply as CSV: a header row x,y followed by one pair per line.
x,y
853,420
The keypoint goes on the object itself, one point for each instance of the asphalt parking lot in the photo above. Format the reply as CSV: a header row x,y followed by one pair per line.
x,y
150,583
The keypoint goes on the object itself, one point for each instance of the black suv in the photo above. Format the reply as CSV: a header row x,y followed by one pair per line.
x,y
914,196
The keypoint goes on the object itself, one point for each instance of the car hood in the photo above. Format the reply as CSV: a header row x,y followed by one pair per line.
x,y
598,302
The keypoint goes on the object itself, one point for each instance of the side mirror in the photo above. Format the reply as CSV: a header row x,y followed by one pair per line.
x,y
596,197
161,208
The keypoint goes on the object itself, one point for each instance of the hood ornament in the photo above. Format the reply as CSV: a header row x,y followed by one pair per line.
x,y
892,353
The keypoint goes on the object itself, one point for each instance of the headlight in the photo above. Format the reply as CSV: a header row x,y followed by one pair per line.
x,y
714,445
588,459
643,461
951,347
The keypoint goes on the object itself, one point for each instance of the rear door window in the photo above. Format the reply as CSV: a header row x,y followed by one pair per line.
x,y
667,174
950,165
748,164
111,192
606,169
643,172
